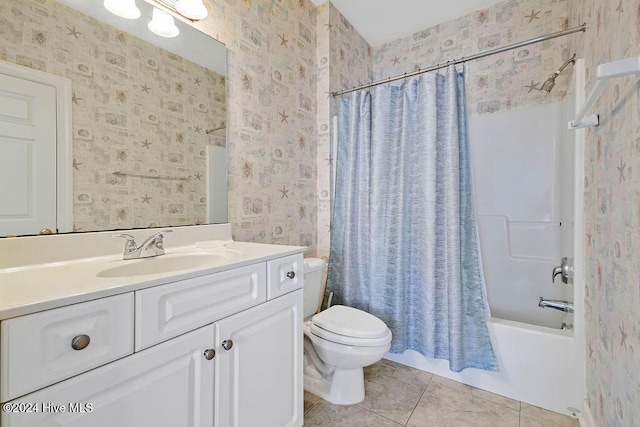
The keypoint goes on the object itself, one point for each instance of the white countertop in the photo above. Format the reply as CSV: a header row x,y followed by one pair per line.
x,y
31,288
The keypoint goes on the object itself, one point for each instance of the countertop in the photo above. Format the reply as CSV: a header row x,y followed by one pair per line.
x,y
31,288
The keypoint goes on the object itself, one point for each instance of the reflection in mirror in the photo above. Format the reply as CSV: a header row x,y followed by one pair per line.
x,y
148,120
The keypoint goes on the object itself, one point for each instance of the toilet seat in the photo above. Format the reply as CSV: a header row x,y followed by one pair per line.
x,y
350,326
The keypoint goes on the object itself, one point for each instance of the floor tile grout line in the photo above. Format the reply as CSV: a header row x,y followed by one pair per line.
x,y
380,415
419,400
395,369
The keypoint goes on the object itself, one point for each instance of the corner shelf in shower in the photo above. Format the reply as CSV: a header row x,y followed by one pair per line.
x,y
609,70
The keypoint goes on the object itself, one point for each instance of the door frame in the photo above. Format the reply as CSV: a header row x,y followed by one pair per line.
x,y
64,138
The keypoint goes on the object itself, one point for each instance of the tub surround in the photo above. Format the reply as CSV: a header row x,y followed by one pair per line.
x,y
44,272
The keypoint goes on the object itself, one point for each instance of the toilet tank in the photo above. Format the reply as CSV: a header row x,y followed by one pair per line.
x,y
313,269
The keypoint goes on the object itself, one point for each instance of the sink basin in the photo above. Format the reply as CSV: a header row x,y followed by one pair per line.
x,y
164,264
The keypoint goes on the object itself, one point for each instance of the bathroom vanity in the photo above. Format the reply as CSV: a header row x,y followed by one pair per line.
x,y
209,334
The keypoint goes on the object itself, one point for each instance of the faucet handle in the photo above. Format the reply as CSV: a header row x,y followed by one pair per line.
x,y
159,236
157,240
130,246
565,270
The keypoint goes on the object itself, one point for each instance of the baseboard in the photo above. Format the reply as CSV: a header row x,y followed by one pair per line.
x,y
586,420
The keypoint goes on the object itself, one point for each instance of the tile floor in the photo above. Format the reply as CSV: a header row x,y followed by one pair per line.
x,y
397,395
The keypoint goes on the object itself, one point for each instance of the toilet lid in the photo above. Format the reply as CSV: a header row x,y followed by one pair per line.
x,y
350,322
350,341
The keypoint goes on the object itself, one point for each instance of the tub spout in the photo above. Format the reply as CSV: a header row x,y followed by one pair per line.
x,y
565,306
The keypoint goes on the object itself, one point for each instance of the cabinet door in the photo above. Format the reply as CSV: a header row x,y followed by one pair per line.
x,y
170,384
259,368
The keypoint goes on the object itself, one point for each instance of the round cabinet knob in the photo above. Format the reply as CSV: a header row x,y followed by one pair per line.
x,y
80,342
227,344
46,231
291,274
209,353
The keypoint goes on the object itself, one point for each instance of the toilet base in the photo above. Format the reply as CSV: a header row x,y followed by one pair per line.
x,y
344,387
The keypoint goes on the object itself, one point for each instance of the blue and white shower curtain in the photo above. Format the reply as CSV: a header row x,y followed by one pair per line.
x,y
404,241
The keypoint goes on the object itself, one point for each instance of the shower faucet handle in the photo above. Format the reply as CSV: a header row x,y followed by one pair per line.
x,y
565,270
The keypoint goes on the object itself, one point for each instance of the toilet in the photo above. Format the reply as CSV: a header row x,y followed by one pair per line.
x,y
338,343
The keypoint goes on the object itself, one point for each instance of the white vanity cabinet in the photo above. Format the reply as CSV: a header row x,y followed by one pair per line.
x,y
259,365
211,350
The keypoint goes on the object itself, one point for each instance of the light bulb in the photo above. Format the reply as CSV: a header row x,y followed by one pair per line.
x,y
162,24
192,9
123,8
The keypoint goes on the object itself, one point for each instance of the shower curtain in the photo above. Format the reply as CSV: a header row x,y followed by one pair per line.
x,y
404,242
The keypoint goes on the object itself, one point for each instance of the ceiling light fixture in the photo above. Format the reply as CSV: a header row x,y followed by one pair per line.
x,y
123,8
192,9
162,24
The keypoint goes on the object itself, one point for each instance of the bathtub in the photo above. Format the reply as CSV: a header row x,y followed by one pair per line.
x,y
537,365
538,362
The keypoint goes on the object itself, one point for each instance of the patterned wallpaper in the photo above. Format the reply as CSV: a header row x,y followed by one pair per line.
x,y
344,59
272,117
136,109
612,215
499,82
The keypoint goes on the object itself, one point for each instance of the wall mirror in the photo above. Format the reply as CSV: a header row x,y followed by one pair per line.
x,y
148,114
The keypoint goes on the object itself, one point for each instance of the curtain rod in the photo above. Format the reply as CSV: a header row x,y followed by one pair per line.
x,y
582,28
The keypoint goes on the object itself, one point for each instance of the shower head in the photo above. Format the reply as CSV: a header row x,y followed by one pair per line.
x,y
549,84
551,81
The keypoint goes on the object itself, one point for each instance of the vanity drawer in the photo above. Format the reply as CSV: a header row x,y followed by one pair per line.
x,y
166,311
37,350
285,274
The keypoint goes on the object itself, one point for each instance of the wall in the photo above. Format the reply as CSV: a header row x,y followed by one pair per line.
x,y
272,120
498,82
612,215
344,60
135,108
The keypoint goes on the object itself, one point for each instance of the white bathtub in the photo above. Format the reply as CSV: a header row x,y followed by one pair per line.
x,y
538,363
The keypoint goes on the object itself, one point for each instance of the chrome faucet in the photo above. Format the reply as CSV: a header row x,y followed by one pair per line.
x,y
565,306
151,247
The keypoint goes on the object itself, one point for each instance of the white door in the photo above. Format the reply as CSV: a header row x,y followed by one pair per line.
x,y
170,384
28,150
259,368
